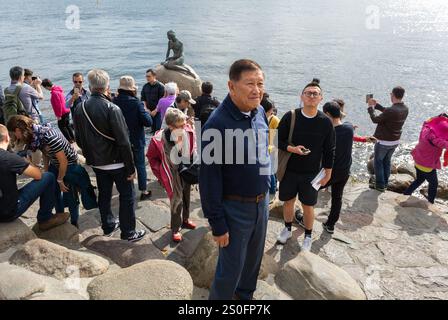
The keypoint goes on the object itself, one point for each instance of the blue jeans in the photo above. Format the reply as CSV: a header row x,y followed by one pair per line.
x,y
42,189
105,180
139,160
239,263
273,188
433,183
59,195
382,163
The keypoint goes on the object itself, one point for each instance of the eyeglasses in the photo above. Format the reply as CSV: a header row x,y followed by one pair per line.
x,y
312,94
77,81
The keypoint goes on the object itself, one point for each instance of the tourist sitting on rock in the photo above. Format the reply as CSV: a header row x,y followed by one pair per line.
x,y
60,158
15,202
205,103
433,139
62,114
171,91
178,135
137,118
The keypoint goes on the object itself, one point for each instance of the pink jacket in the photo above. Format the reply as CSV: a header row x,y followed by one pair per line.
x,y
158,162
58,101
433,139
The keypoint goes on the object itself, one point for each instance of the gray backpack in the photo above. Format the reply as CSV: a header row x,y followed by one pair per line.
x,y
13,106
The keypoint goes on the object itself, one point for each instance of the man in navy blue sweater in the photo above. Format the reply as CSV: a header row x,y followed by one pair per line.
x,y
234,181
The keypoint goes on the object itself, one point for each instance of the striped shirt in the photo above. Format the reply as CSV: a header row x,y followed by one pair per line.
x,y
53,141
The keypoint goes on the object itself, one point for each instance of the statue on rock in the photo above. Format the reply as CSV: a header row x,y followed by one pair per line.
x,y
176,62
173,69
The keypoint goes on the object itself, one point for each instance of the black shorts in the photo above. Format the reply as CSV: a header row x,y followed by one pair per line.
x,y
295,183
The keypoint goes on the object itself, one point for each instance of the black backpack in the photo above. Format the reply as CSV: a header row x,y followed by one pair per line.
x,y
189,172
206,111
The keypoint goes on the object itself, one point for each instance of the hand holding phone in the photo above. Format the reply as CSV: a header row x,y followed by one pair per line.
x,y
306,151
368,97
301,150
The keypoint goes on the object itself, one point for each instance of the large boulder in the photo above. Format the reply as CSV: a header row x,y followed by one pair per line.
x,y
63,234
399,182
149,280
50,259
266,291
309,277
184,82
407,168
123,253
64,296
202,263
14,233
413,202
18,283
276,209
268,266
442,190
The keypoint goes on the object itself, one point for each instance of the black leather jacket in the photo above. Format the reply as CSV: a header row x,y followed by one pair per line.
x,y
107,118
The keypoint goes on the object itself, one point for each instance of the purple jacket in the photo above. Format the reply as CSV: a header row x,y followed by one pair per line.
x,y
429,149
164,104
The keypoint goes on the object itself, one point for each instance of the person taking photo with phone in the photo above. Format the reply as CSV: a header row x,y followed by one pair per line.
x,y
388,133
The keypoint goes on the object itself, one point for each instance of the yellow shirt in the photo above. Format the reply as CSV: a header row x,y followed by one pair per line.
x,y
422,168
273,122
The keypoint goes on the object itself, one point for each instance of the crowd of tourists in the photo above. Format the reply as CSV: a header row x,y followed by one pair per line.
x,y
292,157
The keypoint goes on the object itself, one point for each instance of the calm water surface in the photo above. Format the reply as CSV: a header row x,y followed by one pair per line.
x,y
293,41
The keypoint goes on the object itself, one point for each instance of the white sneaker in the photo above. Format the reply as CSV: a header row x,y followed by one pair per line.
x,y
284,235
306,246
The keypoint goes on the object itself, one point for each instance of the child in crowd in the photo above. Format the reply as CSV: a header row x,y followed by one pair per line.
x,y
433,139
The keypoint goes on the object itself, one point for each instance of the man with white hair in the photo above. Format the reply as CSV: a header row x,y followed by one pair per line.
x,y
171,91
102,134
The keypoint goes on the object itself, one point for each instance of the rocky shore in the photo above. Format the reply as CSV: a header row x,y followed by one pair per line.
x,y
386,246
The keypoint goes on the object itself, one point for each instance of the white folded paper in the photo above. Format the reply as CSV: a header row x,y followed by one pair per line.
x,y
315,183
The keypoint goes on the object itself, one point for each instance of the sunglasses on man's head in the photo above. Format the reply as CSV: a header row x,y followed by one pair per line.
x,y
77,81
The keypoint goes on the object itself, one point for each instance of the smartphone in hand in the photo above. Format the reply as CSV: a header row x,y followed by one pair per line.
x,y
369,96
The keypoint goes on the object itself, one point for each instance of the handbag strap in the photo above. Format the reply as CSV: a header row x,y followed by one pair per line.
x,y
291,128
91,123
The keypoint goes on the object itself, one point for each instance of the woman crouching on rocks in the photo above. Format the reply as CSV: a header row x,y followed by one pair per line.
x,y
433,139
61,159
168,148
